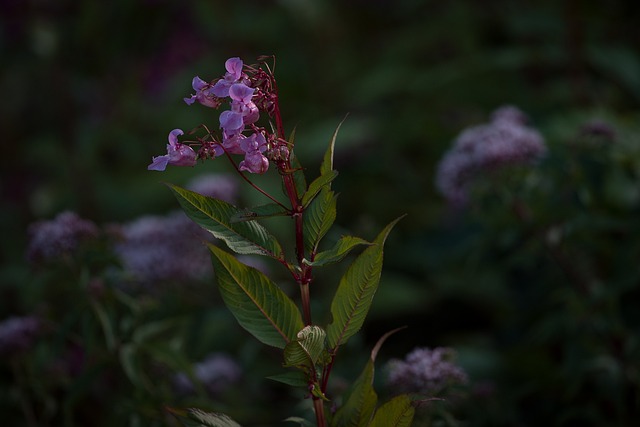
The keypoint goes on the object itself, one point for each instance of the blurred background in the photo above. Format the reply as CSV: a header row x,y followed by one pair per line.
x,y
535,281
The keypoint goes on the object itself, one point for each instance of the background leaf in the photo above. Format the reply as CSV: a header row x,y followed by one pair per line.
x,y
210,419
256,302
216,216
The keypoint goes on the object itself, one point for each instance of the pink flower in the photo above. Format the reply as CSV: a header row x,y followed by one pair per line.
x,y
178,154
203,94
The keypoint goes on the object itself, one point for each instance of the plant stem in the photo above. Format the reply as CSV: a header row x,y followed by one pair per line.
x,y
306,303
318,407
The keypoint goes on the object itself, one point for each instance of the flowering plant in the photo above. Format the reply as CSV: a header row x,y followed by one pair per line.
x,y
261,307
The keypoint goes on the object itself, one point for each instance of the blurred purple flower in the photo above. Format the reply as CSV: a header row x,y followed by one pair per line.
x,y
178,154
216,373
219,186
425,371
58,237
164,248
18,334
505,141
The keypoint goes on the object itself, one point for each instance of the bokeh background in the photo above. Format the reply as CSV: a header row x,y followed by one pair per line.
x,y
547,334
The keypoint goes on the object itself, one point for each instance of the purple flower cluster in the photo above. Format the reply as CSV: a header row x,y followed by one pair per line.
x,y
60,236
18,334
163,248
505,141
216,373
425,371
243,92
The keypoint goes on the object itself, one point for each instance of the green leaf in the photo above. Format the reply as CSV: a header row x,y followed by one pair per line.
x,y
128,355
318,184
258,212
355,292
318,218
299,421
215,215
298,174
293,378
210,419
327,162
360,405
306,348
338,252
256,302
398,412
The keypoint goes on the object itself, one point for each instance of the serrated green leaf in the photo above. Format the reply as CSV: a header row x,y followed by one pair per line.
x,y
355,292
318,218
258,212
337,252
327,162
305,350
398,412
256,302
215,215
361,402
210,419
318,184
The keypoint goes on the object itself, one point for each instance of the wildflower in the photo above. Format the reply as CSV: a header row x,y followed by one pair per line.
x,y
203,94
247,93
216,373
18,334
164,248
425,371
62,235
505,141
178,154
233,75
254,161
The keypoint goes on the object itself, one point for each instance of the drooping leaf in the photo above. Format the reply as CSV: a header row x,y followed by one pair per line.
x,y
305,350
257,303
258,212
294,378
215,215
318,184
355,292
398,412
361,402
319,217
211,419
337,252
